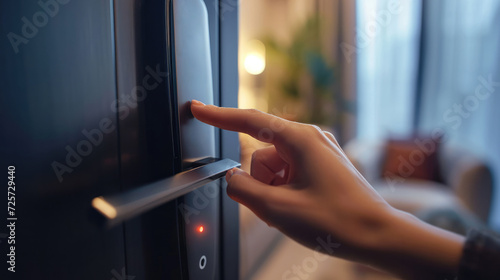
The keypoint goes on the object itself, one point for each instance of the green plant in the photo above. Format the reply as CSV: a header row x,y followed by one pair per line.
x,y
307,77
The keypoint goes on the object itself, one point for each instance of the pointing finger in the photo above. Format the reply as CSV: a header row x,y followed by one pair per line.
x,y
260,125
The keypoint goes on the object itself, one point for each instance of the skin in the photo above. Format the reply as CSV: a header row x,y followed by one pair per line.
x,y
305,186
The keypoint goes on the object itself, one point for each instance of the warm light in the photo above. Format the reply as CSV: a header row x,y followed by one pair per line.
x,y
201,229
104,207
254,64
255,58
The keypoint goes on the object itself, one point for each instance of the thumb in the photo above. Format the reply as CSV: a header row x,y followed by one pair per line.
x,y
248,191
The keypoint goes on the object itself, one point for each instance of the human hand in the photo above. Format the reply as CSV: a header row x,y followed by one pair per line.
x,y
305,186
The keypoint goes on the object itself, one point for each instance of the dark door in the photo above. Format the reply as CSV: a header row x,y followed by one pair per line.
x,y
88,107
58,129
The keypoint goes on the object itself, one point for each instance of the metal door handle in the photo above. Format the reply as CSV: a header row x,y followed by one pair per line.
x,y
120,207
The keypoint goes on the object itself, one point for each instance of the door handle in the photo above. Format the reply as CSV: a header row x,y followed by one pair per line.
x,y
123,206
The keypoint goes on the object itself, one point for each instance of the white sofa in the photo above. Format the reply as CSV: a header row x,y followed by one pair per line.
x,y
462,200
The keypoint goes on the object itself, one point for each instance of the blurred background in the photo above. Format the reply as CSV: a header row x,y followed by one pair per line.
x,y
410,88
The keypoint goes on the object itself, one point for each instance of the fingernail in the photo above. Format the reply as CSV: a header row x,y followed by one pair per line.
x,y
197,103
231,172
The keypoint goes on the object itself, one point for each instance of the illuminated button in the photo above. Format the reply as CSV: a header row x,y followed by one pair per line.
x,y
203,262
201,229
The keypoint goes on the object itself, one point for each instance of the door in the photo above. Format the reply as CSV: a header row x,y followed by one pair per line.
x,y
57,77
89,107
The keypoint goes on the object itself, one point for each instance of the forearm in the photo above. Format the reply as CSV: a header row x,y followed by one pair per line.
x,y
306,187
413,249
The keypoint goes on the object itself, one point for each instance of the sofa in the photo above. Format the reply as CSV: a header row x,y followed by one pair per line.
x,y
459,200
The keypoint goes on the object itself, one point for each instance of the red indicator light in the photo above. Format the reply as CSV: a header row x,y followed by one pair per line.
x,y
201,229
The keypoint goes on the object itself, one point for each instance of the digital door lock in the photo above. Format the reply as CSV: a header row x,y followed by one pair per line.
x,y
120,207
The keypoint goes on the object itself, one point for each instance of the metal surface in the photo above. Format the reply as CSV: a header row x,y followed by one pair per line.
x,y
193,77
191,56
201,208
121,207
147,138
229,143
79,76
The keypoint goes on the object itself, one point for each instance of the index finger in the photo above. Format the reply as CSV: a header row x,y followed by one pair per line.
x,y
262,126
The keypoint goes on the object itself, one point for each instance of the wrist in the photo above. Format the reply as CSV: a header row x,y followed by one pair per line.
x,y
419,250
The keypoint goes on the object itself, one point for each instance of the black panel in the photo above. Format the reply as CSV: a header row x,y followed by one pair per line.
x,y
55,103
147,136
200,216
98,67
189,49
229,144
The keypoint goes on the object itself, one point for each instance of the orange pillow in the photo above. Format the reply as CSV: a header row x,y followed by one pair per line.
x,y
414,158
